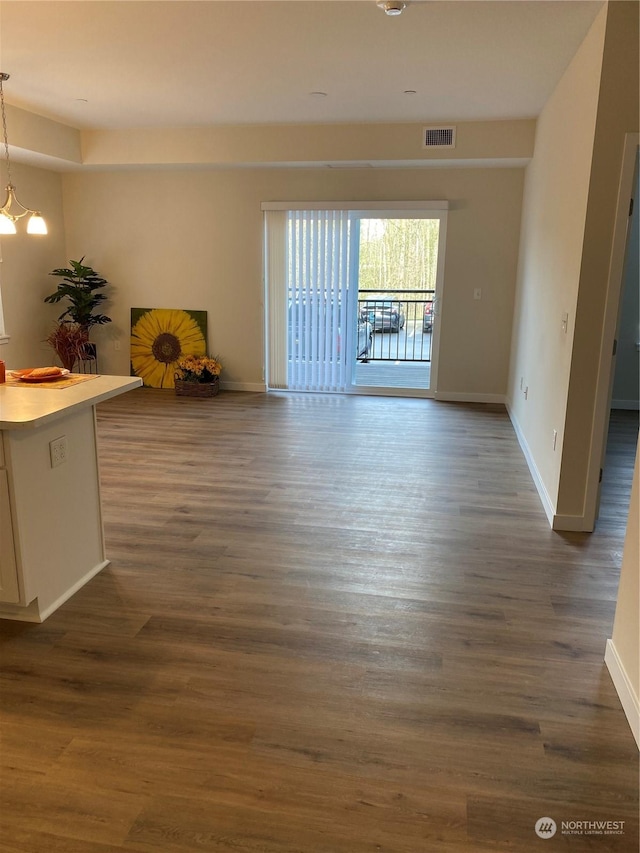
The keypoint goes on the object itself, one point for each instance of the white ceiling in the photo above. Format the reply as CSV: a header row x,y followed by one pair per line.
x,y
125,63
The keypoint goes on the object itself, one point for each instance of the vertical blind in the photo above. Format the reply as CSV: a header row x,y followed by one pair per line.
x,y
307,264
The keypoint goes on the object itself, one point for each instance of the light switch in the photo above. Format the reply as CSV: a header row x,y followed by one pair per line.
x,y
565,322
477,293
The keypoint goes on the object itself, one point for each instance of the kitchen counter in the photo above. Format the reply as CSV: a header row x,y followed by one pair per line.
x,y
51,535
27,407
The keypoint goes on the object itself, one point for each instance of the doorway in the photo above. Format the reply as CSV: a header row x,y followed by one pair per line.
x,y
623,258
352,298
397,285
624,415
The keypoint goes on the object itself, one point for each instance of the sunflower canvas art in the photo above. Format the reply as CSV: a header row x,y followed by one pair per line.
x,y
160,337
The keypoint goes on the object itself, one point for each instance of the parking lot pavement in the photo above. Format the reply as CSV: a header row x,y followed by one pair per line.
x,y
409,344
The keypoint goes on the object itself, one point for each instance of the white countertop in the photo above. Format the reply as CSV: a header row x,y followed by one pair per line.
x,y
28,407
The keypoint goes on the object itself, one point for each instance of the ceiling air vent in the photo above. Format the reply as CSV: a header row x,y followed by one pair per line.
x,y
439,137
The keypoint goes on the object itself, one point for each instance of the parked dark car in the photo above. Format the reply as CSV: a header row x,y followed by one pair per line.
x,y
385,315
427,319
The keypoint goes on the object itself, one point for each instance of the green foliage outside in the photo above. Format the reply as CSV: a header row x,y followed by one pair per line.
x,y
398,254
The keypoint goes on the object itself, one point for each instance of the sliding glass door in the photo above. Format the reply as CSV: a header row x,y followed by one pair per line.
x,y
309,285
318,322
352,298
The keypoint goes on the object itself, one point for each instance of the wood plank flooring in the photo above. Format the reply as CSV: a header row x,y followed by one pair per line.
x,y
331,624
617,475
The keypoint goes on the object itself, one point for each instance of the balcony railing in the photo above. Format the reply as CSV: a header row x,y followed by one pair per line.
x,y
401,323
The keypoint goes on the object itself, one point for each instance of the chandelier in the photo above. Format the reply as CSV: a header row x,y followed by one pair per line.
x,y
9,212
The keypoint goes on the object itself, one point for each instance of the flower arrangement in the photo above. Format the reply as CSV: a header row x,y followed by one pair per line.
x,y
198,368
71,343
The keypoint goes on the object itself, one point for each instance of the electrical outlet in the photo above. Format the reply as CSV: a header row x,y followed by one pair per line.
x,y
58,451
521,382
526,392
116,346
477,293
565,322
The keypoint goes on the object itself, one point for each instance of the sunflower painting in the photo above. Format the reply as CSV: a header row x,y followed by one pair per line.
x,y
159,337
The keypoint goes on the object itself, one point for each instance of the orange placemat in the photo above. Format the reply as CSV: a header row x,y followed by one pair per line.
x,y
66,382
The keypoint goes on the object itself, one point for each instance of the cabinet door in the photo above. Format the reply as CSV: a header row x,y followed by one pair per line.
x,y
8,571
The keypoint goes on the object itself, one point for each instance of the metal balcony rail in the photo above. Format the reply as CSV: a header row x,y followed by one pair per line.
x,y
401,323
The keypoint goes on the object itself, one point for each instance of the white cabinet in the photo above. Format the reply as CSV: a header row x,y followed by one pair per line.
x,y
8,569
51,537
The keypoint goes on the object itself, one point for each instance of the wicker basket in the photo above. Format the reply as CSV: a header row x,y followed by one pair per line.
x,y
197,389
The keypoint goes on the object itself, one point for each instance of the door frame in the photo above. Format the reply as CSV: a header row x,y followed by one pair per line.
x,y
604,381
409,210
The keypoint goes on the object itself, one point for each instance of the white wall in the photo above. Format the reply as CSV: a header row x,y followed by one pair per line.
x,y
27,259
553,221
483,142
192,238
623,650
617,116
567,236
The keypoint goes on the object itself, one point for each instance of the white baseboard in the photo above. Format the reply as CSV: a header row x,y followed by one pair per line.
x,y
628,699
17,613
631,405
374,391
468,397
33,613
258,387
571,523
47,611
547,503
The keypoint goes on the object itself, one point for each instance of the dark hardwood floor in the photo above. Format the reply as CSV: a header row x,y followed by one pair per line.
x,y
618,470
331,624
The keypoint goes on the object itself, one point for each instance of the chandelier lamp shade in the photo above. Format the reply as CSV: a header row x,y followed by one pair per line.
x,y
12,210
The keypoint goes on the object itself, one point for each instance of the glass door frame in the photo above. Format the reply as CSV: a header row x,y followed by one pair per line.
x,y
360,210
424,210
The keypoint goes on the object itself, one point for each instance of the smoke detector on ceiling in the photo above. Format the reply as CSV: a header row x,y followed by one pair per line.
x,y
392,7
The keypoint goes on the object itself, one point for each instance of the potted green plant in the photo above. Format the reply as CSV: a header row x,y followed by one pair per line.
x,y
81,285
